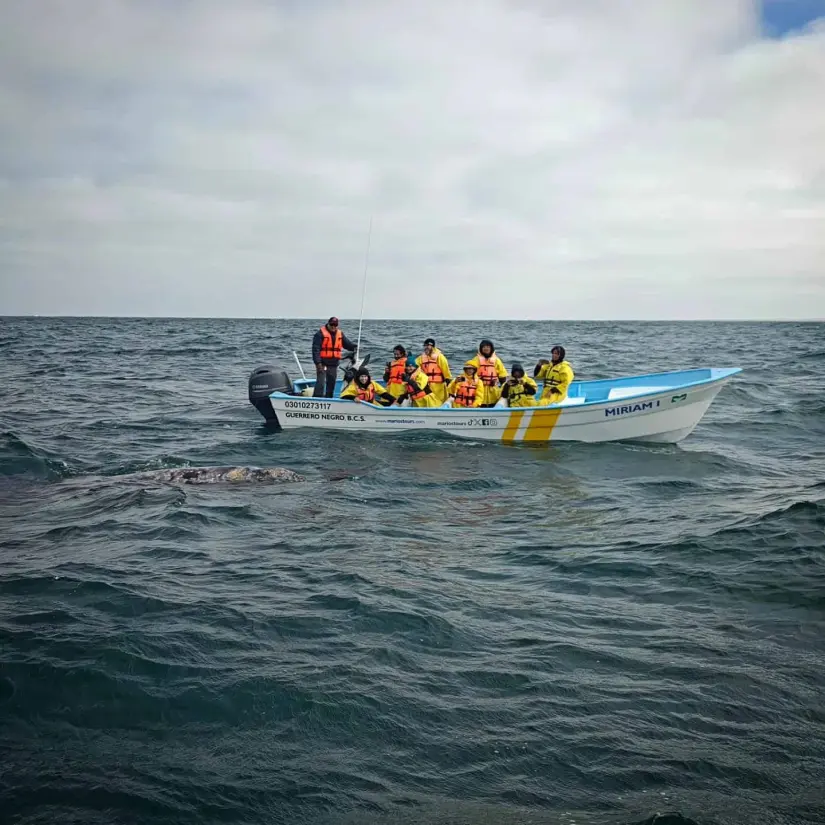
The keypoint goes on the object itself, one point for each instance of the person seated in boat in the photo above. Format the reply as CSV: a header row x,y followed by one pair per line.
x,y
466,390
519,390
395,373
491,372
417,386
437,369
363,388
557,375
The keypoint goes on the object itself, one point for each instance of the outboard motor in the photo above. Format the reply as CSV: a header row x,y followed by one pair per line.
x,y
262,382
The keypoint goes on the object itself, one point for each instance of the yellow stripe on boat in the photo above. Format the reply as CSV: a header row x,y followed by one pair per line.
x,y
541,424
513,423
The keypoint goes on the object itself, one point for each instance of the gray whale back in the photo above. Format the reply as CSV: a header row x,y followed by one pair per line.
x,y
221,475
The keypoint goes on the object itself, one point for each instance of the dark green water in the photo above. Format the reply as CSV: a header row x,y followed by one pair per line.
x,y
427,630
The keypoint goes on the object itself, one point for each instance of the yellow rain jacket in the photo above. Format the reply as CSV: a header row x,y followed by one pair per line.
x,y
557,378
436,366
518,397
395,376
491,393
419,378
351,390
459,388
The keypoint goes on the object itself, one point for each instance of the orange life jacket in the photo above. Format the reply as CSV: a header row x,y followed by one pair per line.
x,y
487,370
431,369
466,393
398,371
331,347
415,392
366,393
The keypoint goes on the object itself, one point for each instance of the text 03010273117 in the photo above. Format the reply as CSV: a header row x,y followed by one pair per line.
x,y
307,405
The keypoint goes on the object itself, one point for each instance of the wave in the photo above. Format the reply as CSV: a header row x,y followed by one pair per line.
x,y
21,458
800,513
474,484
780,523
671,485
210,516
811,405
514,810
370,617
52,372
164,461
210,348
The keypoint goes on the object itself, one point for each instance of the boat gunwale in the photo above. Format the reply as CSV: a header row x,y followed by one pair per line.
x,y
723,374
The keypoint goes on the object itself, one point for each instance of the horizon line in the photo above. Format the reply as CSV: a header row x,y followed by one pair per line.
x,y
424,320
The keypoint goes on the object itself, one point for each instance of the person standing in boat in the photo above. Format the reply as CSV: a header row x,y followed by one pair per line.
x,y
363,388
557,376
327,345
436,368
519,390
466,390
491,372
416,386
396,372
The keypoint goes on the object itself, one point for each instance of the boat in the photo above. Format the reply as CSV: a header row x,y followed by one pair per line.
x,y
661,408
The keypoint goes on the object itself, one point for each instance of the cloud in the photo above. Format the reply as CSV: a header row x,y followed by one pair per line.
x,y
519,158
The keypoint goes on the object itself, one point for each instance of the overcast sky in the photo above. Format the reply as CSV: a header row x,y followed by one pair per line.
x,y
519,158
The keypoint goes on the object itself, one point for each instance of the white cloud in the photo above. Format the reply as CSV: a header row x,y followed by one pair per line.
x,y
520,159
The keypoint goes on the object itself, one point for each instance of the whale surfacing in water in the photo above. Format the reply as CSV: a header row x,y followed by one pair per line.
x,y
222,475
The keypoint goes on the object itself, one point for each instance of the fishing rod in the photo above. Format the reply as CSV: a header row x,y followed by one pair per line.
x,y
364,291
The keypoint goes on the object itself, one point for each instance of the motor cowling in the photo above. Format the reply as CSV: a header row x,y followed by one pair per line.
x,y
262,382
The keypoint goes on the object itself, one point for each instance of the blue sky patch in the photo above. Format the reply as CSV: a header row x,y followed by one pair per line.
x,y
782,17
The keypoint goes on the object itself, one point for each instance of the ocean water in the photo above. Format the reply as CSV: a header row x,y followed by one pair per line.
x,y
427,630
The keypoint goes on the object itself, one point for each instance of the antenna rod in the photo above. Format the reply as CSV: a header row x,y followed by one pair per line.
x,y
364,293
298,362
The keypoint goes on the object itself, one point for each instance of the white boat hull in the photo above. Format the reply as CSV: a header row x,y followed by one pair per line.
x,y
659,415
